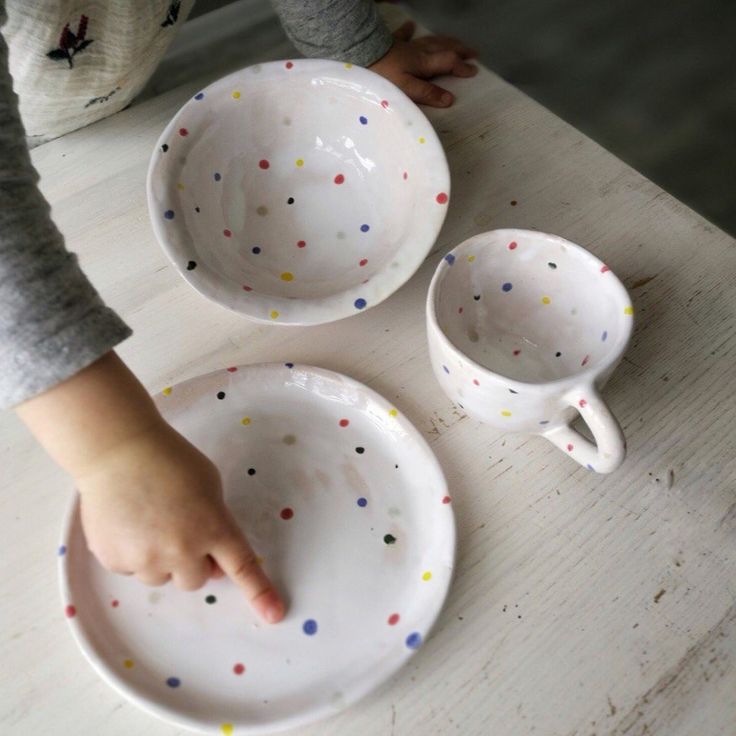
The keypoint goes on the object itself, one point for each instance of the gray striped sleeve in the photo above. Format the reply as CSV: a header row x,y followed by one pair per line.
x,y
347,30
52,321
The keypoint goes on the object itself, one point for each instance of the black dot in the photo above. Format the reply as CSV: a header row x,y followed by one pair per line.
x,y
191,265
513,203
196,209
210,599
396,466
513,392
290,200
221,395
360,450
557,355
165,147
389,539
251,471
476,297
552,265
289,365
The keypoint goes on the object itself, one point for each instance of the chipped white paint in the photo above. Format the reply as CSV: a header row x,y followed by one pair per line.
x,y
552,627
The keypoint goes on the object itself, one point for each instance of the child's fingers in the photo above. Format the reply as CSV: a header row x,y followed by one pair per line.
x,y
461,69
192,574
239,563
215,570
405,31
436,43
438,62
426,93
152,577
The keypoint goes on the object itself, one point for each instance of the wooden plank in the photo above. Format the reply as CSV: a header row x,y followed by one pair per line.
x,y
582,604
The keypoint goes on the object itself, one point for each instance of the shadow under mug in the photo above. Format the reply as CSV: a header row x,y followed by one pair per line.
x,y
524,329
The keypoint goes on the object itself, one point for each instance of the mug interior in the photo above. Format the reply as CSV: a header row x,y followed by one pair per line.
x,y
532,307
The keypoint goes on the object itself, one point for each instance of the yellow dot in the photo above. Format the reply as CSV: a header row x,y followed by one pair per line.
x,y
227,728
286,276
127,663
546,300
179,185
300,162
348,65
422,139
259,560
167,391
393,413
274,314
236,95
471,259
427,575
245,421
629,310
505,413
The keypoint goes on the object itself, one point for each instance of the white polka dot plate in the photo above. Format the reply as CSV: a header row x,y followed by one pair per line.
x,y
348,508
298,193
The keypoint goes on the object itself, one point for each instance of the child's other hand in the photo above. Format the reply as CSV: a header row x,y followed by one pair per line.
x,y
410,63
154,508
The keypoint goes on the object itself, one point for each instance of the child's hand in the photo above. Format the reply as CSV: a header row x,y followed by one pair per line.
x,y
154,508
151,502
410,63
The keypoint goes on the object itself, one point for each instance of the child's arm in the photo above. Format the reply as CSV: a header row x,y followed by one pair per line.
x,y
151,503
352,30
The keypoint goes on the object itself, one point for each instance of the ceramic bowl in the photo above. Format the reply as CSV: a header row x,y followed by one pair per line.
x,y
298,193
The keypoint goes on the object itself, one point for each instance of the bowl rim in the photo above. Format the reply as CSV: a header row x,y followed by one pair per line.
x,y
305,311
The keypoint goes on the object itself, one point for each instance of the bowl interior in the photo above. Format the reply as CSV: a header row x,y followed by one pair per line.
x,y
300,182
532,307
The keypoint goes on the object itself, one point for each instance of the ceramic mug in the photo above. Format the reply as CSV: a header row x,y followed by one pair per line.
x,y
524,330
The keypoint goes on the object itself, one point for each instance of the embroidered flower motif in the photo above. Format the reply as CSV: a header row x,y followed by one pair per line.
x,y
70,43
172,14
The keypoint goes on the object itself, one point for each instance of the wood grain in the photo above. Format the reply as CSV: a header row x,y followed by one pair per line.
x,y
583,605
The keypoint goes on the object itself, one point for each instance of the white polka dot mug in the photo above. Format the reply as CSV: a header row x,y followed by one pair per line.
x,y
524,330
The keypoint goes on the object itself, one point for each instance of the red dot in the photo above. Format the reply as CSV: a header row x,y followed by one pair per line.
x,y
585,359
232,369
363,261
517,352
289,64
339,179
263,164
301,244
247,288
287,513
604,269
406,175
344,422
238,669
183,132
569,448
393,619
115,603
583,403
227,233
441,198
476,382
446,499
70,611
384,104
512,245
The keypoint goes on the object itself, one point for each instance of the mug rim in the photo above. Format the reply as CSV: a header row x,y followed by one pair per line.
x,y
586,376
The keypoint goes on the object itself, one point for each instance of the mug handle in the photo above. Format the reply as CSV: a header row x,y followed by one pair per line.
x,y
610,448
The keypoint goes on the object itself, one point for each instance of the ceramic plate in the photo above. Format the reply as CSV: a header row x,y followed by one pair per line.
x,y
298,192
348,508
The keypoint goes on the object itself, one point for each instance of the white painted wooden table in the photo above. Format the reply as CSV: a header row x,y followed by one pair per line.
x,y
582,604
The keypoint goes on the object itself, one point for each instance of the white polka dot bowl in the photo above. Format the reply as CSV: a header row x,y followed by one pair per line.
x,y
298,193
348,509
524,330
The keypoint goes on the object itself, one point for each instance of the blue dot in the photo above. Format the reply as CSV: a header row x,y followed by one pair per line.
x,y
199,96
507,286
173,682
256,249
590,467
360,303
62,550
363,120
169,214
450,258
445,369
604,336
310,627
362,502
217,176
365,228
544,421
414,640
289,365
